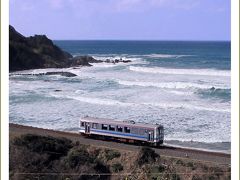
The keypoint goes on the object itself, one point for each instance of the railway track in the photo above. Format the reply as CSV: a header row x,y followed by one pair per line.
x,y
164,150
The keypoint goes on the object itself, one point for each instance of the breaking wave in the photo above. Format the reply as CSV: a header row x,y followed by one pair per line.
x,y
168,85
200,72
224,94
111,102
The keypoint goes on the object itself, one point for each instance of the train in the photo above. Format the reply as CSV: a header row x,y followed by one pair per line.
x,y
127,131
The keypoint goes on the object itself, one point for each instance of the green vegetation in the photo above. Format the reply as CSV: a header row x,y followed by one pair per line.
x,y
55,148
33,154
180,162
111,154
117,167
146,155
78,157
45,157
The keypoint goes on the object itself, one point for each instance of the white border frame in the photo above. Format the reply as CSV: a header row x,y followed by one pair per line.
x,y
4,89
234,89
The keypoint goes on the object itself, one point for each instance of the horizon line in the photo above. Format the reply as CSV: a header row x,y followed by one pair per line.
x,y
141,40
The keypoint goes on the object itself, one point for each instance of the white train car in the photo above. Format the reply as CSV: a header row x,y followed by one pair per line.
x,y
122,130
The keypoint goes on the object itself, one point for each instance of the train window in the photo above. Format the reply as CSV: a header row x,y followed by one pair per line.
x,y
141,131
126,129
134,130
111,128
119,129
94,125
82,124
160,131
104,126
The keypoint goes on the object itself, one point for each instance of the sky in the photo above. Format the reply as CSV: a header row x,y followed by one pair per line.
x,y
123,19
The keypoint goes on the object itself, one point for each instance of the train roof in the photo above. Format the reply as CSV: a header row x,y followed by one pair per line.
x,y
118,122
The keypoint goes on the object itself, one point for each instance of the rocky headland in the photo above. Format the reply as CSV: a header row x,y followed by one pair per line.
x,y
38,51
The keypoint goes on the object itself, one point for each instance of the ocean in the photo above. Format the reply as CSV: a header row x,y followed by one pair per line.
x,y
185,86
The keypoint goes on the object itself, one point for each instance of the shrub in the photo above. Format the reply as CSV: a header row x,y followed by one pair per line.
x,y
111,154
78,157
161,168
55,147
117,167
146,155
175,176
180,162
191,164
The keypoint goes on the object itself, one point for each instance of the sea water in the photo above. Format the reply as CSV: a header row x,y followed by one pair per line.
x,y
185,86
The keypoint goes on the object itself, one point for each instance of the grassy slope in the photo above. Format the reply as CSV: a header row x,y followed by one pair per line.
x,y
33,156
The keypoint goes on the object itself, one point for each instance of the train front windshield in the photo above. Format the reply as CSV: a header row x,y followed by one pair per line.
x,y
160,132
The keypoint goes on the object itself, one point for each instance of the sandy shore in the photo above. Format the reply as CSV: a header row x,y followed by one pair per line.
x,y
168,151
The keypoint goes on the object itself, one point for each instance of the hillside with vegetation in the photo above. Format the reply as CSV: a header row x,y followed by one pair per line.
x,y
45,157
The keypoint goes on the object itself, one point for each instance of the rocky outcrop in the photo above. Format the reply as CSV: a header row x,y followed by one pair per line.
x,y
34,52
117,61
40,52
83,61
66,74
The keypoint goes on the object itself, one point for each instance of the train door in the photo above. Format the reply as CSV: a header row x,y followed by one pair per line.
x,y
150,136
87,127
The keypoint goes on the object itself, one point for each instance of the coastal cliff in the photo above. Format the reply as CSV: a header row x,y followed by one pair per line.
x,y
38,51
34,52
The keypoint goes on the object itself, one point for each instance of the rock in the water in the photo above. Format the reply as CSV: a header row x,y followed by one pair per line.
x,y
116,61
83,61
66,74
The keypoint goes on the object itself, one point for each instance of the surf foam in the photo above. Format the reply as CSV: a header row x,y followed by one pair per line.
x,y
200,72
168,85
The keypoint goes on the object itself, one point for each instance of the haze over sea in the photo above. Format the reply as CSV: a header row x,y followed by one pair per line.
x,y
183,85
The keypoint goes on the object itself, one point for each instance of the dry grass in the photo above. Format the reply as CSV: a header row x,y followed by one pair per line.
x,y
45,157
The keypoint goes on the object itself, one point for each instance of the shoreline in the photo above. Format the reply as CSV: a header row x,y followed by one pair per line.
x,y
188,145
166,150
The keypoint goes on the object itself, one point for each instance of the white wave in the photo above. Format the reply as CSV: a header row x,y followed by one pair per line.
x,y
181,93
186,106
136,56
91,100
165,55
111,102
103,65
156,55
168,85
199,72
103,58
